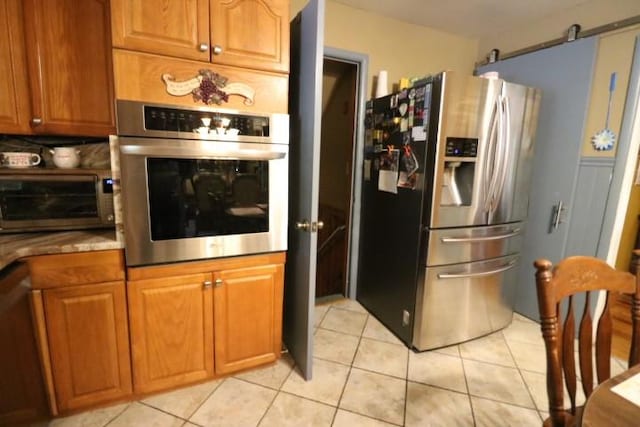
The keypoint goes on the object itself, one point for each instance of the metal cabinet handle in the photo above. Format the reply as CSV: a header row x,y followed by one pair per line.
x,y
36,121
556,220
557,216
207,284
217,49
203,47
219,283
320,225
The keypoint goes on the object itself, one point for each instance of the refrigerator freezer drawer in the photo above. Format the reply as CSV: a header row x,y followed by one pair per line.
x,y
460,302
456,245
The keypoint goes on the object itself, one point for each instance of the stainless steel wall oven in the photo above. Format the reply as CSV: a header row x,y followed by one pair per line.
x,y
201,183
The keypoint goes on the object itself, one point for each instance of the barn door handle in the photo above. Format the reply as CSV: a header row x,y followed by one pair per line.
x,y
557,216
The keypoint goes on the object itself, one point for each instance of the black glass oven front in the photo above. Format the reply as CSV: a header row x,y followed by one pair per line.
x,y
207,197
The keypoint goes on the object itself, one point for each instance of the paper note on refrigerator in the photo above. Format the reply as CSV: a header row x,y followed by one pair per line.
x,y
388,176
418,133
387,181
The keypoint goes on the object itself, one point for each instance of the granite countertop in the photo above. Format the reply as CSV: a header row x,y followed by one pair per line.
x,y
19,245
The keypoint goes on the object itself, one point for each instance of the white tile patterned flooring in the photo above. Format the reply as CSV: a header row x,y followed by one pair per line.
x,y
363,376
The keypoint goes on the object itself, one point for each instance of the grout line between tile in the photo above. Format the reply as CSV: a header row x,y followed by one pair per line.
x,y
466,384
275,396
353,358
161,410
119,413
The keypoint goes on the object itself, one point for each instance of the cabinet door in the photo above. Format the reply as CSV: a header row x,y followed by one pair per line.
x,y
247,317
251,33
22,392
171,331
173,27
70,71
89,343
14,101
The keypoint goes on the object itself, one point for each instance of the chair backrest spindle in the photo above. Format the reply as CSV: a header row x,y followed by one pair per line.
x,y
559,284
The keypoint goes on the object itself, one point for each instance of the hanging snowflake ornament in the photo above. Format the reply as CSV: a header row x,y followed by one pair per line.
x,y
603,140
209,91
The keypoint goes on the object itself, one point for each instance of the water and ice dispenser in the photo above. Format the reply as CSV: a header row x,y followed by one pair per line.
x,y
459,171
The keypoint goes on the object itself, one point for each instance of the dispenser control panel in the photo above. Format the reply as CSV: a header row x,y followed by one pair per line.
x,y
461,147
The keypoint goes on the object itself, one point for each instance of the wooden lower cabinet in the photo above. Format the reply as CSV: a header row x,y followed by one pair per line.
x,y
247,317
171,329
88,343
188,318
22,390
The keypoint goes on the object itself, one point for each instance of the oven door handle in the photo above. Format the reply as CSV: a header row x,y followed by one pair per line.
x,y
203,152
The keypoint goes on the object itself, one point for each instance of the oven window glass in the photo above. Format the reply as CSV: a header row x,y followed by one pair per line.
x,y
207,197
46,199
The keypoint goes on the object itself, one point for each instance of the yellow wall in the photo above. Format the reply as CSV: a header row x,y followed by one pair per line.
x,y
404,50
630,229
589,14
615,53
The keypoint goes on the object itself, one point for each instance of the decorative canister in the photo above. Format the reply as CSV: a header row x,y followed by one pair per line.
x,y
66,157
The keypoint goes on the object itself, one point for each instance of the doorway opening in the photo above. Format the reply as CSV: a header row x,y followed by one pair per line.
x,y
338,202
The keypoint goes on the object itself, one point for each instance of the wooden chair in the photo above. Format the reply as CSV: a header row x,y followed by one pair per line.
x,y
555,285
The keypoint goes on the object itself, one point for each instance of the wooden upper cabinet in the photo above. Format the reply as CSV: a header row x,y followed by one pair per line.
x,y
68,45
14,99
89,343
251,33
242,33
175,27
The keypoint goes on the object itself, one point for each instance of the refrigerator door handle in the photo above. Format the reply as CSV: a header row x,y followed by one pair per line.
x,y
504,150
512,233
492,162
500,269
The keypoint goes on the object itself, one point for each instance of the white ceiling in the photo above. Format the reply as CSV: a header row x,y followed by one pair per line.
x,y
470,18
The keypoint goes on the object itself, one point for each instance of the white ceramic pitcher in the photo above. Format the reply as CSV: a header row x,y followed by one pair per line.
x,y
66,157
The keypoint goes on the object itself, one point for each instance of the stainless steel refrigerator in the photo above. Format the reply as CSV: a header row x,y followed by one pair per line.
x,y
444,204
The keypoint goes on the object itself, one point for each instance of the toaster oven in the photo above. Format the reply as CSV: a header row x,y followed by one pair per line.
x,y
37,199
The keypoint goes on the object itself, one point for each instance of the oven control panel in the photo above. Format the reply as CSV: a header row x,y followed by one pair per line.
x,y
204,122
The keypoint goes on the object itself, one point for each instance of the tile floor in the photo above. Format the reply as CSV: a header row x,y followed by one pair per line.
x,y
363,376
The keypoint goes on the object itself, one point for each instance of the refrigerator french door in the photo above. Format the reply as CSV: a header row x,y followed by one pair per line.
x,y
444,251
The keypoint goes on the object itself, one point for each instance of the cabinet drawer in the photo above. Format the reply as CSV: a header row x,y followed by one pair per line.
x,y
52,271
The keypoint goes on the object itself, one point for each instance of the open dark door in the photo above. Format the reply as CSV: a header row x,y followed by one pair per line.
x,y
305,109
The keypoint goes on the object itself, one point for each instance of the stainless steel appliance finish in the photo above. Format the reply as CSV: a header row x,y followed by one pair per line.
x,y
499,115
437,260
37,199
466,244
464,301
211,220
132,122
